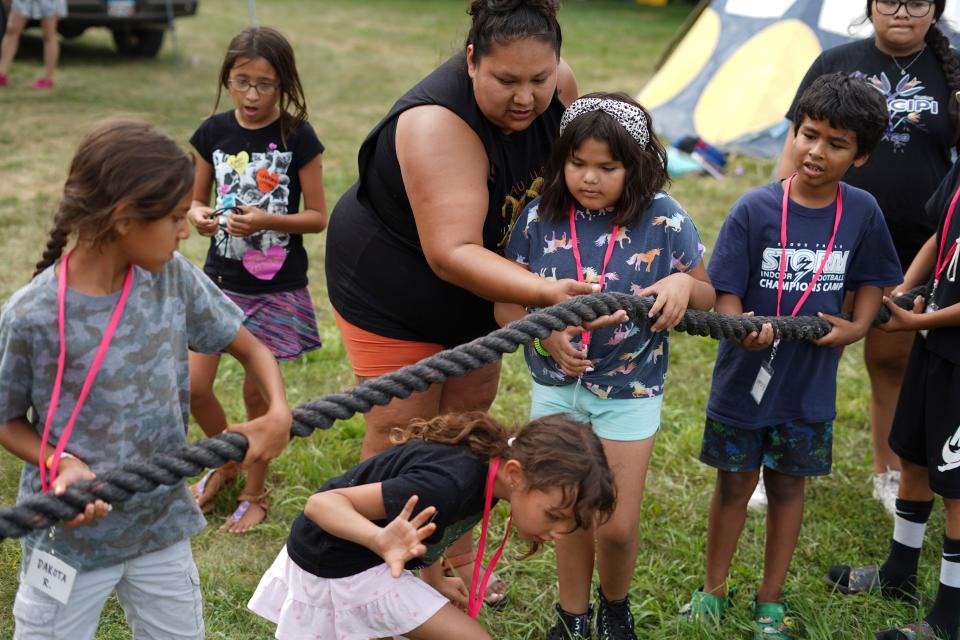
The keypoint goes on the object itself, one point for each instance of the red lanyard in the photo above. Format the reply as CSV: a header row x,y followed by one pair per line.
x,y
783,247
61,365
575,245
475,601
944,260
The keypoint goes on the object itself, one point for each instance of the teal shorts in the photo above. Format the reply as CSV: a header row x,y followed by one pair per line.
x,y
625,419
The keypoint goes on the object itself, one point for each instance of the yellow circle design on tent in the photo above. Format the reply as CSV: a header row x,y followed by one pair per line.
x,y
753,89
685,62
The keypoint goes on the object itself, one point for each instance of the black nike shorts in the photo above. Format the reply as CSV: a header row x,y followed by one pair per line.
x,y
926,426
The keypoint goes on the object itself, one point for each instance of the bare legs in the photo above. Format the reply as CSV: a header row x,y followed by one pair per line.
x,y
209,414
616,539
885,355
728,511
11,42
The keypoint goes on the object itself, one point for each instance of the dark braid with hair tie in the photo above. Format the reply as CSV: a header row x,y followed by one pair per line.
x,y
55,244
499,22
940,45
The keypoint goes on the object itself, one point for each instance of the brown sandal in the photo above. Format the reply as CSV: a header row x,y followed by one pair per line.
x,y
494,596
247,500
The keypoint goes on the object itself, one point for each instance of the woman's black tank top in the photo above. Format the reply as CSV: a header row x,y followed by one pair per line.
x,y
377,276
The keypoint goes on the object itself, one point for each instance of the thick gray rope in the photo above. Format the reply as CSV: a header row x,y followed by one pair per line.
x,y
41,511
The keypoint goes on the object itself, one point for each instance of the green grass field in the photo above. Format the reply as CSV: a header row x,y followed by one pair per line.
x,y
355,58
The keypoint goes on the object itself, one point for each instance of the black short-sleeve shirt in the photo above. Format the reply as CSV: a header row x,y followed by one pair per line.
x,y
448,477
916,149
256,167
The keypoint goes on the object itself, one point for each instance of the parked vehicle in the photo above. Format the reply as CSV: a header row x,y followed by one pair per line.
x,y
138,26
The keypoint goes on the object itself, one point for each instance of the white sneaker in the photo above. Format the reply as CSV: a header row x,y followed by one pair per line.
x,y
758,501
885,488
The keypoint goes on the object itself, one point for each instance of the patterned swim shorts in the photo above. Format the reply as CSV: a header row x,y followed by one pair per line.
x,y
792,448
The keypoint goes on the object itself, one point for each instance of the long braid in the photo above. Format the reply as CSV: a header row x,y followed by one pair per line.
x,y
940,46
55,245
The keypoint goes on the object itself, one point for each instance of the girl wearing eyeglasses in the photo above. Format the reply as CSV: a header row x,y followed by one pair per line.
x,y
258,159
909,59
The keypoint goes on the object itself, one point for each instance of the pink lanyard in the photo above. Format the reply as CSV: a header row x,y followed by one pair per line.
x,y
575,245
783,247
944,260
61,365
475,601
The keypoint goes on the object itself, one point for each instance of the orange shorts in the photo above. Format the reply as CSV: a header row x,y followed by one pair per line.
x,y
372,355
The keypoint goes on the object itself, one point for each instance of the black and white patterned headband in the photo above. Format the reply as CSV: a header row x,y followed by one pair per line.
x,y
628,116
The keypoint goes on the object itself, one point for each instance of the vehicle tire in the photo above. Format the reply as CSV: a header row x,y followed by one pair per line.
x,y
70,30
138,42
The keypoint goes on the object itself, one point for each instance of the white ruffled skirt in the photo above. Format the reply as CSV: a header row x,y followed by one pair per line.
x,y
372,604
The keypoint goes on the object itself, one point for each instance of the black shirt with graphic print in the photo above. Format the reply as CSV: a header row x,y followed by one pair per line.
x,y
448,477
255,167
945,341
915,151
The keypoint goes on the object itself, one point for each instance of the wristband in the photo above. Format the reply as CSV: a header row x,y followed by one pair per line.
x,y
64,455
538,347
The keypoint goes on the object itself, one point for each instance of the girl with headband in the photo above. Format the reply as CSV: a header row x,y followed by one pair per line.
x,y
604,219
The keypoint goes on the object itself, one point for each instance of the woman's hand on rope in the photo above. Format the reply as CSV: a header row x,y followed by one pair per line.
x,y
572,361
402,539
757,340
556,291
901,319
73,470
268,435
673,296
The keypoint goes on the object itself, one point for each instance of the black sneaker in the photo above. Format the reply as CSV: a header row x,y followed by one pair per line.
x,y
571,626
614,620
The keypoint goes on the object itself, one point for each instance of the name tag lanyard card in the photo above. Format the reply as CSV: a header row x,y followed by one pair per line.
x,y
52,574
944,261
575,246
766,368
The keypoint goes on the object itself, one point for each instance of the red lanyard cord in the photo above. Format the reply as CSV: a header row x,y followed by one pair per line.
x,y
45,483
944,260
575,246
475,602
783,247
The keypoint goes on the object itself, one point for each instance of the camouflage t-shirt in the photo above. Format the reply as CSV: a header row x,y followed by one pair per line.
x,y
139,403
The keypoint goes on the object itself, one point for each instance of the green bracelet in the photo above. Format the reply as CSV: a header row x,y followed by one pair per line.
x,y
539,348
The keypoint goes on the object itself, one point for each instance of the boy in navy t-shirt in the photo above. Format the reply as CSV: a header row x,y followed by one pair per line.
x,y
796,247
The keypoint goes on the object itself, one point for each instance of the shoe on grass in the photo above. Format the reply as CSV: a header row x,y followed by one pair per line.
x,y
855,580
706,607
771,621
571,626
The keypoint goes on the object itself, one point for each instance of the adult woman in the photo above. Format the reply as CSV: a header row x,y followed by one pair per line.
x,y
22,11
412,263
910,60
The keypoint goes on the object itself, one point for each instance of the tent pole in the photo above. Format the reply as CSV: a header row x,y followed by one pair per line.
x,y
252,8
681,32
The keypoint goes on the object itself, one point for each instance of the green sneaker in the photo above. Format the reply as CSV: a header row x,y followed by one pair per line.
x,y
706,607
772,622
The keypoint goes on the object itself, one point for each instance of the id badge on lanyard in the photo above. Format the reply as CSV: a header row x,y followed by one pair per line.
x,y
765,374
50,572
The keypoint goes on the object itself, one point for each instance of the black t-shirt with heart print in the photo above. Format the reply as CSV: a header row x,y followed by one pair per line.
x,y
256,167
